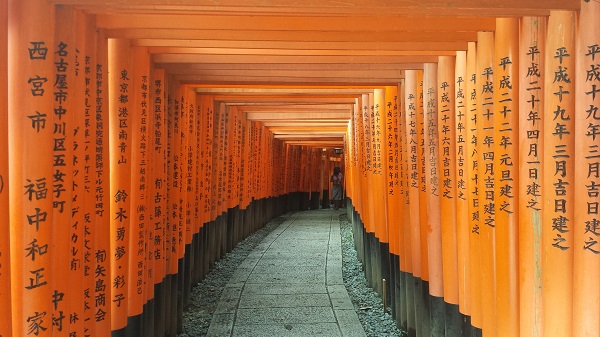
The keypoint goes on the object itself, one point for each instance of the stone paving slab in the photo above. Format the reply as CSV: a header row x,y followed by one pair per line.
x,y
285,315
288,330
290,285
284,301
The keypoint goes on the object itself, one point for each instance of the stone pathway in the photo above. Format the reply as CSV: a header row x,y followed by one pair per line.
x,y
290,285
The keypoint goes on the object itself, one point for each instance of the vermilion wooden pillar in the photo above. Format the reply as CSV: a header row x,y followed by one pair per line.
x,y
68,258
120,110
430,136
461,155
31,50
139,119
506,177
379,167
5,295
558,174
158,196
447,175
432,184
83,154
392,163
422,178
586,250
487,191
98,64
207,155
404,225
473,193
411,94
531,115
357,200
368,209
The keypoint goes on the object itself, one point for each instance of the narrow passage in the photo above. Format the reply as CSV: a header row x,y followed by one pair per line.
x,y
290,285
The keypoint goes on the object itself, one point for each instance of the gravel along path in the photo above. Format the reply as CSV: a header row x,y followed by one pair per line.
x,y
205,296
367,302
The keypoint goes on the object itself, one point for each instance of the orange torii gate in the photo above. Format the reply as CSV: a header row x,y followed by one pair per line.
x,y
121,185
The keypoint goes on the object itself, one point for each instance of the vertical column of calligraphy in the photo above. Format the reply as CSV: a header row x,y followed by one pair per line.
x,y
173,195
368,148
430,136
411,101
472,171
422,178
531,96
158,188
30,110
413,172
237,159
404,226
461,193
120,135
207,154
84,148
264,165
258,142
98,53
5,296
255,158
586,291
215,163
506,179
139,113
485,135
558,174
244,167
379,166
182,214
198,177
192,174
208,134
187,193
447,171
360,165
229,160
392,164
226,130
67,233
349,157
354,190
171,264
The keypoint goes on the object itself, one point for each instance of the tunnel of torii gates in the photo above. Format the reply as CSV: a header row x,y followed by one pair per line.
x,y
472,176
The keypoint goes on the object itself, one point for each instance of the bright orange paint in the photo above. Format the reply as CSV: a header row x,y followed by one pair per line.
x,y
432,178
120,86
487,192
558,204
586,264
506,178
30,150
447,175
531,104
463,230
5,295
473,193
